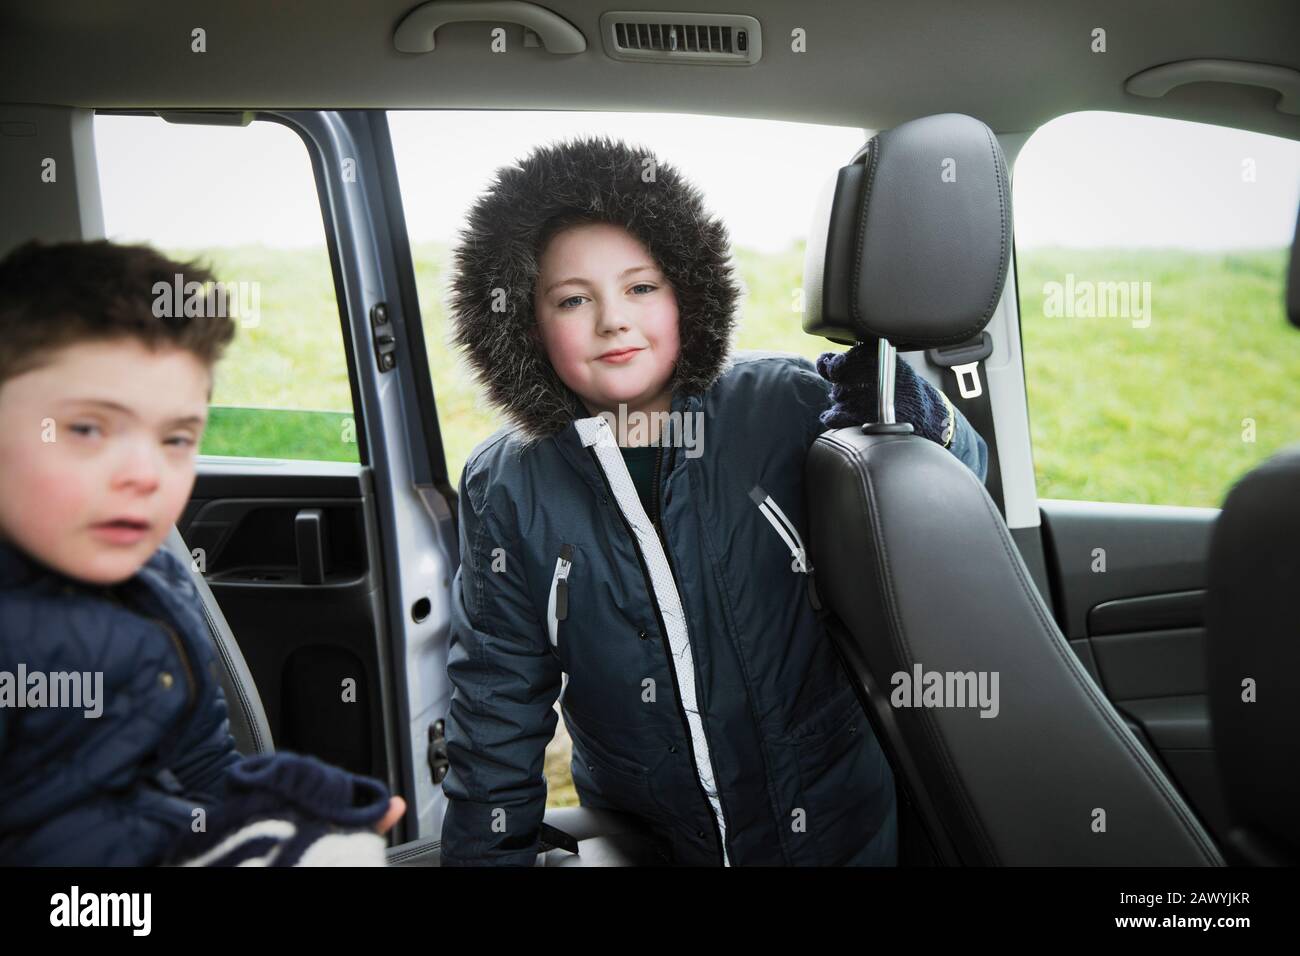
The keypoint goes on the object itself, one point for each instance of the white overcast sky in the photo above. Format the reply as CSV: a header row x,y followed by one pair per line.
x,y
1090,179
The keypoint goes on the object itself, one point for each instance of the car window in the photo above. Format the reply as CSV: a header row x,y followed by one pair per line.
x,y
243,200
1151,259
760,177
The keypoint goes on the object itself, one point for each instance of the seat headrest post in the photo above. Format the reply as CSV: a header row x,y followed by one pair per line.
x,y
886,366
885,381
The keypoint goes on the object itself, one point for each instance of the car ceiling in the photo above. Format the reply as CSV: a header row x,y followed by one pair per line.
x,y
1013,63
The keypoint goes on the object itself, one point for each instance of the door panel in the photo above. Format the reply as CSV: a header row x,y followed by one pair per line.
x,y
264,532
1129,584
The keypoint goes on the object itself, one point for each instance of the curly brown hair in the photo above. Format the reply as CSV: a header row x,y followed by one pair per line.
x,y
56,295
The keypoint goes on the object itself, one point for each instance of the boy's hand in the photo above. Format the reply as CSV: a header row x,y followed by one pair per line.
x,y
853,375
396,807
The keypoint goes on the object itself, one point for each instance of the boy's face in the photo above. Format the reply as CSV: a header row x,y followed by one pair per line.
x,y
101,432
599,290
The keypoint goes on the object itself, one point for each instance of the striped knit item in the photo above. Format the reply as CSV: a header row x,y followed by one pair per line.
x,y
288,809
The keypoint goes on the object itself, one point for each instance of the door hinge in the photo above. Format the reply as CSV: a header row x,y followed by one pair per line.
x,y
438,762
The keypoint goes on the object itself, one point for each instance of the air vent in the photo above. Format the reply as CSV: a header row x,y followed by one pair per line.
x,y
711,38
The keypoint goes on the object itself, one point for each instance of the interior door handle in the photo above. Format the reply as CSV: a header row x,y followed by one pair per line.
x,y
415,34
310,536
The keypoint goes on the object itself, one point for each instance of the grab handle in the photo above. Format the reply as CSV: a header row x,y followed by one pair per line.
x,y
1159,80
415,34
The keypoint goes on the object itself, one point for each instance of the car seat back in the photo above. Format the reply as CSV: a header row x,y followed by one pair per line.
x,y
1252,654
1005,746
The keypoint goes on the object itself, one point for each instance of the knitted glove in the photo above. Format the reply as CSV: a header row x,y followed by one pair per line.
x,y
287,809
853,394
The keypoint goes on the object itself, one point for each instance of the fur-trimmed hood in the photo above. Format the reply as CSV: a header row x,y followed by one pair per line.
x,y
496,263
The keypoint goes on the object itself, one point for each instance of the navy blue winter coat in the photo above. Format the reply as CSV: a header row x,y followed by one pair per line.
x,y
118,788
699,686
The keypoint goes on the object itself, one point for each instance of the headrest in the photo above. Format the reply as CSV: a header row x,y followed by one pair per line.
x,y
911,240
1293,278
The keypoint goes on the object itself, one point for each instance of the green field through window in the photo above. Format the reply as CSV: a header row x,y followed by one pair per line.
x,y
1171,413
280,433
1170,408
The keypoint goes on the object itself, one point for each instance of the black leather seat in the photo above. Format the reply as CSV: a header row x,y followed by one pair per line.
x,y
915,564
1252,583
603,837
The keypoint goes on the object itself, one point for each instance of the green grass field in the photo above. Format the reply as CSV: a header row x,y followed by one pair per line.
x,y
1117,413
1159,415
1154,415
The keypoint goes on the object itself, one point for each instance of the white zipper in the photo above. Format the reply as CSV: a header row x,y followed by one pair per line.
x,y
557,606
784,527
595,431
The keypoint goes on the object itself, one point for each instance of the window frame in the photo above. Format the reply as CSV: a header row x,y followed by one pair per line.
x,y
235,118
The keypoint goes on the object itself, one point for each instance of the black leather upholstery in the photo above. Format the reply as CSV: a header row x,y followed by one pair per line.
x,y
919,568
911,240
1253,579
916,567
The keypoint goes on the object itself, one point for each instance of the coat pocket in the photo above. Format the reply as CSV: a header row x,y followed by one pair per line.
x,y
612,780
799,558
784,527
557,605
846,787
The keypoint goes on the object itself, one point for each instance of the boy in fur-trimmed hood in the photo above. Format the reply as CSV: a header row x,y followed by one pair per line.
x,y
661,592
564,185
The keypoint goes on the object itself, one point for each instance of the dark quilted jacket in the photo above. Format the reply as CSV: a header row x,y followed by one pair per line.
x,y
696,679
114,789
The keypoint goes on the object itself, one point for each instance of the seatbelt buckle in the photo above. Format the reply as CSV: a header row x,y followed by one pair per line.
x,y
964,359
974,389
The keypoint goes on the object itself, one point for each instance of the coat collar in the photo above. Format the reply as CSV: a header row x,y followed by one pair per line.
x,y
585,430
18,569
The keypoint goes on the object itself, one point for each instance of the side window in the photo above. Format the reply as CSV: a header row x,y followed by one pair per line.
x,y
1152,258
243,201
760,177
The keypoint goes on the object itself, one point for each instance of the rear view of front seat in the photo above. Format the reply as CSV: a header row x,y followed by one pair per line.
x,y
915,565
1252,651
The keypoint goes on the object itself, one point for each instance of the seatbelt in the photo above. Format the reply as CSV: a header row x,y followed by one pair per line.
x,y
960,366
553,838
